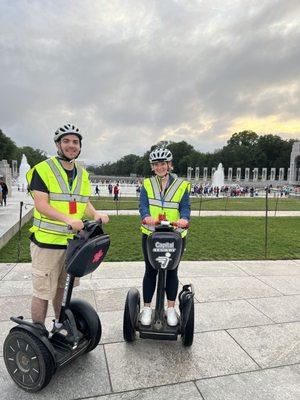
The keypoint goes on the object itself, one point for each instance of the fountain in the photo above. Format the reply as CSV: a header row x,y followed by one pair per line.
x,y
218,177
24,168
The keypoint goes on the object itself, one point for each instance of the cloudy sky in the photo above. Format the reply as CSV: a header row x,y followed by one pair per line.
x,y
132,72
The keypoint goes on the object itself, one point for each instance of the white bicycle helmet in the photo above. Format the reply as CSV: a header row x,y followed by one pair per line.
x,y
160,154
67,129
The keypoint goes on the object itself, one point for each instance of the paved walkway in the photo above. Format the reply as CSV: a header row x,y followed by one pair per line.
x,y
10,215
246,344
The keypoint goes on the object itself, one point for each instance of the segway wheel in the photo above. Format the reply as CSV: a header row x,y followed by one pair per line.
x,y
28,361
187,335
87,322
131,313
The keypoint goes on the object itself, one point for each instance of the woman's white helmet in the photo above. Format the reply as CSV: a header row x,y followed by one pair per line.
x,y
160,154
67,129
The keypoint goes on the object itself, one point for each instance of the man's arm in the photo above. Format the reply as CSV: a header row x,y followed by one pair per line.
x,y
90,212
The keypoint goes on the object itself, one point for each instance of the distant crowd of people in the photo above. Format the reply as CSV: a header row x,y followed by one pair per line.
x,y
234,191
114,190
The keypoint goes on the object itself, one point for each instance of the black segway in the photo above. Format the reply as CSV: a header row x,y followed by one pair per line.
x,y
32,354
164,247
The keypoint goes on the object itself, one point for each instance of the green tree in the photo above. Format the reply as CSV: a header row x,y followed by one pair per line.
x,y
34,156
244,138
8,148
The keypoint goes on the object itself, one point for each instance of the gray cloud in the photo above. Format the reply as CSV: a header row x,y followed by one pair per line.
x,y
131,73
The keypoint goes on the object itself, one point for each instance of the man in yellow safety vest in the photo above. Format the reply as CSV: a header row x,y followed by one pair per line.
x,y
60,189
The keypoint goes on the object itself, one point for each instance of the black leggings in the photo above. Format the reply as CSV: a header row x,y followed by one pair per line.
x,y
149,281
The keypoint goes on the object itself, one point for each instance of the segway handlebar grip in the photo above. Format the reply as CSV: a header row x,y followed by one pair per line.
x,y
166,223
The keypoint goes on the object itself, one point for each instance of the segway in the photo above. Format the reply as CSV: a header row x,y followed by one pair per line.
x,y
164,248
32,354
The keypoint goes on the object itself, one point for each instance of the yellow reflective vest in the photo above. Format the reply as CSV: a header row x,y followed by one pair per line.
x,y
168,204
55,178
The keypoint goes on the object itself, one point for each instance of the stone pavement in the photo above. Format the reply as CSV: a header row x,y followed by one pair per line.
x,y
246,343
9,215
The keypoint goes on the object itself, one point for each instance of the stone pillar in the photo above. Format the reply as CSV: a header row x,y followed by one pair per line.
x,y
189,173
281,174
255,175
197,173
229,177
247,174
204,174
298,178
213,170
273,174
289,174
14,165
264,174
238,174
294,163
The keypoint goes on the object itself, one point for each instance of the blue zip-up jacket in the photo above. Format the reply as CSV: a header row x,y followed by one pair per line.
x,y
184,205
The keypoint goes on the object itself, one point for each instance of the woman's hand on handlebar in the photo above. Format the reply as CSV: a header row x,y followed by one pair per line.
x,y
103,217
149,221
182,223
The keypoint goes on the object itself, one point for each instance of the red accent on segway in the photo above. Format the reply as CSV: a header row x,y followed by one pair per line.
x,y
98,255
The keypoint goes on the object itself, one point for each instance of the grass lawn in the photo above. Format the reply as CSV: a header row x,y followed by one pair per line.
x,y
208,203
210,238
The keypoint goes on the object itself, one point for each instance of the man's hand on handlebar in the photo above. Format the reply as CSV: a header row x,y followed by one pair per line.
x,y
104,218
182,223
75,224
149,221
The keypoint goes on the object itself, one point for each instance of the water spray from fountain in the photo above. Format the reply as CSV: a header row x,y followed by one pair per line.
x,y
218,177
24,168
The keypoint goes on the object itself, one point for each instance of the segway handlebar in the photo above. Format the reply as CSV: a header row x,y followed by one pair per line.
x,y
165,223
88,224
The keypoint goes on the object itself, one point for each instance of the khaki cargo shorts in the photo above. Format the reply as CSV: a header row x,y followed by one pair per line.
x,y
48,271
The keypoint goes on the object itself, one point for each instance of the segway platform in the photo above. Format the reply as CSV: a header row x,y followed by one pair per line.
x,y
164,248
31,353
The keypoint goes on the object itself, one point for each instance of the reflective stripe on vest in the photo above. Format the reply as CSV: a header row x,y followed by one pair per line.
x,y
47,230
155,187
167,204
158,205
63,185
67,197
51,226
173,189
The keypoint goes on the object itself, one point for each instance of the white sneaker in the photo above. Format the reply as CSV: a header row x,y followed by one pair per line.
x,y
172,319
146,315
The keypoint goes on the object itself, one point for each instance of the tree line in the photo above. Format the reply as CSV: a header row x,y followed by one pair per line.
x,y
10,151
244,149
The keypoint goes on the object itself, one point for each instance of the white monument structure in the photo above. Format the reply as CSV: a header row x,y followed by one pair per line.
x,y
24,168
294,176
